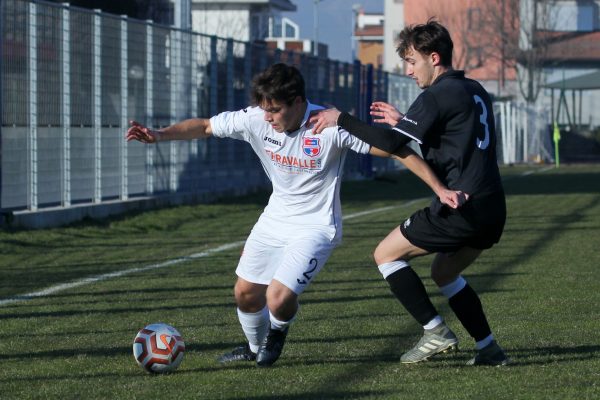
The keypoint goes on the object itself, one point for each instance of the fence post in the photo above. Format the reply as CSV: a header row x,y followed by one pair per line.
x,y
124,108
1,91
367,159
66,106
97,104
230,78
214,81
357,88
193,88
32,137
149,107
247,69
175,74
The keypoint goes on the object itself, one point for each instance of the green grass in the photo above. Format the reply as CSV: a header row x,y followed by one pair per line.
x,y
539,287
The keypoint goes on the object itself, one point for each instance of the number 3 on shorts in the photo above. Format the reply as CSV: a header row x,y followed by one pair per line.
x,y
483,144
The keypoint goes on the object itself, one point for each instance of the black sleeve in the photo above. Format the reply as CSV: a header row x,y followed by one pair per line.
x,y
385,139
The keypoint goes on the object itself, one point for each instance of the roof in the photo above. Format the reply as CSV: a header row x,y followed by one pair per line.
x,y
283,5
583,82
369,30
572,47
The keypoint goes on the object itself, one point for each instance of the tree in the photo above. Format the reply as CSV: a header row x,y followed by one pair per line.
x,y
517,40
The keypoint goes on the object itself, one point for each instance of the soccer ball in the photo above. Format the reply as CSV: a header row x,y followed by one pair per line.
x,y
158,348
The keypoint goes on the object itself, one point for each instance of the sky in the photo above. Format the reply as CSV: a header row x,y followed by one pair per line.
x,y
335,23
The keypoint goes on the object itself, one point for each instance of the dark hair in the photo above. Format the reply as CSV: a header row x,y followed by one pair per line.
x,y
426,39
279,82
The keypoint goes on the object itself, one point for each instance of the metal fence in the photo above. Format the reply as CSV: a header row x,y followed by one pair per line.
x,y
72,78
523,133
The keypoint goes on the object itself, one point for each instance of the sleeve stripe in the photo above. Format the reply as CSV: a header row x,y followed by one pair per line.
x,y
408,134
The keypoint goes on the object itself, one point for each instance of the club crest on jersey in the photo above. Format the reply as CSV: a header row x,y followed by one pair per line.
x,y
311,146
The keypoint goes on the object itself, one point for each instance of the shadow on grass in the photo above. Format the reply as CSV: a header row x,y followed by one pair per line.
x,y
556,182
552,354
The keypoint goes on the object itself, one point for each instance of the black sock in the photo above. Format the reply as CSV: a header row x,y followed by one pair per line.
x,y
467,307
408,288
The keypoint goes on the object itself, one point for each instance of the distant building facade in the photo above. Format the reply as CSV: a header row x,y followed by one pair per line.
x,y
368,36
248,20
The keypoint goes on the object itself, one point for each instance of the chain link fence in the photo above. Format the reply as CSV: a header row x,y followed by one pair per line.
x,y
72,78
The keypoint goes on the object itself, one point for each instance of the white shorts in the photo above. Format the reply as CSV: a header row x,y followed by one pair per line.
x,y
290,254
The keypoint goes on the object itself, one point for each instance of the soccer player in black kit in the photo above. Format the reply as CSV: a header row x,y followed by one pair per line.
x,y
452,120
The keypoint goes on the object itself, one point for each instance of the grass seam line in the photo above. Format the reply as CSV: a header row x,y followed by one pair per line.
x,y
116,274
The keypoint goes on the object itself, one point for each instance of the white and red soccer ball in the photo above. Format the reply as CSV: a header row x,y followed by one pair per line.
x,y
158,348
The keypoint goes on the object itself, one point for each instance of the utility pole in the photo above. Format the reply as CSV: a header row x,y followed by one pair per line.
x,y
316,28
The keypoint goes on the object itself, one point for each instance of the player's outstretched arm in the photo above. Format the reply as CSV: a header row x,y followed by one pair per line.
x,y
383,138
419,167
195,128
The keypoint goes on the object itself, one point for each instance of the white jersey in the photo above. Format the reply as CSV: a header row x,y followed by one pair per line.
x,y
304,168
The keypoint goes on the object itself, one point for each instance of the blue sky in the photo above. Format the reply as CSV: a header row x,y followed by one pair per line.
x,y
335,23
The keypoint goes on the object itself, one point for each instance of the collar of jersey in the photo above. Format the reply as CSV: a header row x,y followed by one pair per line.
x,y
455,73
309,108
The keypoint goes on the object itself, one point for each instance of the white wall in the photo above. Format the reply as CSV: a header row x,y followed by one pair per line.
x,y
393,24
229,21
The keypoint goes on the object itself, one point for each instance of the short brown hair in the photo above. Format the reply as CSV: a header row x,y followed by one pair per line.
x,y
426,39
279,82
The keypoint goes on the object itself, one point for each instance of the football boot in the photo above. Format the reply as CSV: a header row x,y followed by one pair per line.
x,y
437,340
242,353
271,347
492,354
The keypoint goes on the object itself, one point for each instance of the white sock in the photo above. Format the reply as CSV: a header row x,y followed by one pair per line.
x,y
255,326
437,320
389,268
452,288
278,324
482,343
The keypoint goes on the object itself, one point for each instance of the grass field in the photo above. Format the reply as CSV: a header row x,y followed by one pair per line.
x,y
540,287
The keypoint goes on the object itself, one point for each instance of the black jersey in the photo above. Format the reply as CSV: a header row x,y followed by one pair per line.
x,y
453,121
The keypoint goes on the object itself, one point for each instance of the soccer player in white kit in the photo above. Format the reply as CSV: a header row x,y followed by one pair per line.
x,y
302,222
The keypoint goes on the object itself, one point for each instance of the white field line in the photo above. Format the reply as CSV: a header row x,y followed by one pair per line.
x,y
533,171
98,278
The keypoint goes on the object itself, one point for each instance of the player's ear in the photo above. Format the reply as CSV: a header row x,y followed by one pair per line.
x,y
435,59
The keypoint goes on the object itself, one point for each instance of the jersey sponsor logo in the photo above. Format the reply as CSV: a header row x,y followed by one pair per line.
x,y
409,120
271,140
406,223
294,164
311,146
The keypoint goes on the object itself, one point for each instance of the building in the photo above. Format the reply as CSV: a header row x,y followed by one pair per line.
x,y
284,34
247,21
393,24
368,38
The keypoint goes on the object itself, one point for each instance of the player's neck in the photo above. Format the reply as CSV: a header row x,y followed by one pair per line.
x,y
299,117
440,70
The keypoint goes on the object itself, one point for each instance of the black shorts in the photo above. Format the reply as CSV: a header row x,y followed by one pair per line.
x,y
439,229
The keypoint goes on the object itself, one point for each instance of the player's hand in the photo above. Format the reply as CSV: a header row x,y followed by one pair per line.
x,y
142,134
385,113
322,119
453,198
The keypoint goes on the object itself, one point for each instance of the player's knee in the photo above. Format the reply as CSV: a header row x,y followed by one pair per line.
x,y
379,256
283,303
248,298
442,276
